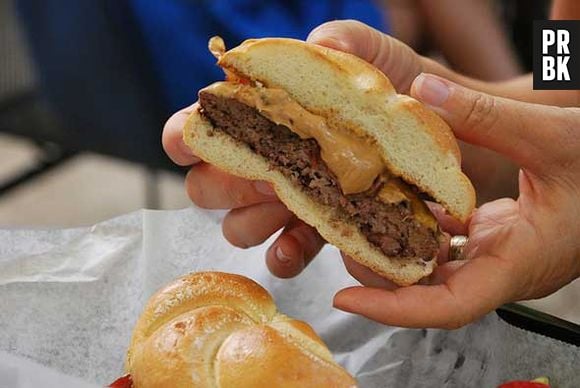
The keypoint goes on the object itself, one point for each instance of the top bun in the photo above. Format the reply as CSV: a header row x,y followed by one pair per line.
x,y
351,94
215,329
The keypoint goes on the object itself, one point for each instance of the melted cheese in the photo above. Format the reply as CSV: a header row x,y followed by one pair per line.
x,y
353,160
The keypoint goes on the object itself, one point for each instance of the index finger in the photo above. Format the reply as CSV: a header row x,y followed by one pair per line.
x,y
172,138
365,275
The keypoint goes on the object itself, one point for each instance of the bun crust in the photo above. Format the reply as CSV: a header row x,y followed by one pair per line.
x,y
415,143
231,156
215,329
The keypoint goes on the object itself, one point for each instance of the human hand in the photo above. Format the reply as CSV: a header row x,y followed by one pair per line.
x,y
518,249
492,175
255,211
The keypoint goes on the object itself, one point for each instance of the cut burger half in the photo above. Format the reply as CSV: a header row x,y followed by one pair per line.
x,y
343,151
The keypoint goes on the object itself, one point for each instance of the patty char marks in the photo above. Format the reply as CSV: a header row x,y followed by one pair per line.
x,y
390,227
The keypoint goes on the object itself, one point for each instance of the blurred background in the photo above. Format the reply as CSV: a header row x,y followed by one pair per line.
x,y
86,86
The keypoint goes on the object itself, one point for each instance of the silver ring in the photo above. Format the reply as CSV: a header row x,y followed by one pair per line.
x,y
456,247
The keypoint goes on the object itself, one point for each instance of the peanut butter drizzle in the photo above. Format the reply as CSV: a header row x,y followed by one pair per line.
x,y
394,191
354,160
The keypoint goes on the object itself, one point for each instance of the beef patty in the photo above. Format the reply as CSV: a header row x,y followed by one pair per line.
x,y
389,226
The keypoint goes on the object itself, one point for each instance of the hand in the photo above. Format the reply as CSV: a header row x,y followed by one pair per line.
x,y
518,249
492,175
256,213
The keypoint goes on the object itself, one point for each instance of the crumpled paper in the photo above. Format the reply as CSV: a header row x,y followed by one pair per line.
x,y
22,373
69,300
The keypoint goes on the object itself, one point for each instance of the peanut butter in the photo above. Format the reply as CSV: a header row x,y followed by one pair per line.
x,y
394,191
353,160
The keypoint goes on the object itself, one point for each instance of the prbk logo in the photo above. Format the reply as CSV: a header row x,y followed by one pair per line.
x,y
557,54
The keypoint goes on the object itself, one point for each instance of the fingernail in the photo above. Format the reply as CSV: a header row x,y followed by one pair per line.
x,y
316,33
281,256
264,188
312,36
334,43
431,90
323,38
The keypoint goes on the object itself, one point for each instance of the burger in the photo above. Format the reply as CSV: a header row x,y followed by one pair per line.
x,y
343,151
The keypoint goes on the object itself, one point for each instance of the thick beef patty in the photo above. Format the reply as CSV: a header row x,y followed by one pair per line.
x,y
390,227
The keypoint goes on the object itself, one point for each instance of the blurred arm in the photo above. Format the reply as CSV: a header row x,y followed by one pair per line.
x,y
471,38
565,9
521,87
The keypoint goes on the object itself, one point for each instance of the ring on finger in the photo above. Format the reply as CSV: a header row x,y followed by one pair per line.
x,y
457,247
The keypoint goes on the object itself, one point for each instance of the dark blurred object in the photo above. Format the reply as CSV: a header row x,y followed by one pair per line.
x,y
176,33
22,111
541,323
93,89
97,77
16,73
519,16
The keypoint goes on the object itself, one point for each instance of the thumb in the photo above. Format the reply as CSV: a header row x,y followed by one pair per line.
x,y
394,58
523,132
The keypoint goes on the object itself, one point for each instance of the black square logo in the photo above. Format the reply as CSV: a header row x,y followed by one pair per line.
x,y
557,54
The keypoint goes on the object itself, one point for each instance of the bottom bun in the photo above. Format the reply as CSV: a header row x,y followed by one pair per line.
x,y
238,159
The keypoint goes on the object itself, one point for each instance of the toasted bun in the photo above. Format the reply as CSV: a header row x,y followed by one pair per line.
x,y
215,329
223,151
351,94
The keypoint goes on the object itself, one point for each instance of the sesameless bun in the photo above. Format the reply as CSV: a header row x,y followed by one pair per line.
x,y
214,329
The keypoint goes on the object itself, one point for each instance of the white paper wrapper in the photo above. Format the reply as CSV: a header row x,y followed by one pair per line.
x,y
22,373
69,300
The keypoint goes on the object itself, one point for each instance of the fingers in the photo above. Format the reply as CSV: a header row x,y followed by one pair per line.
x,y
517,130
211,188
294,249
339,35
447,222
468,292
365,276
172,138
443,272
394,58
252,225
371,279
484,224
